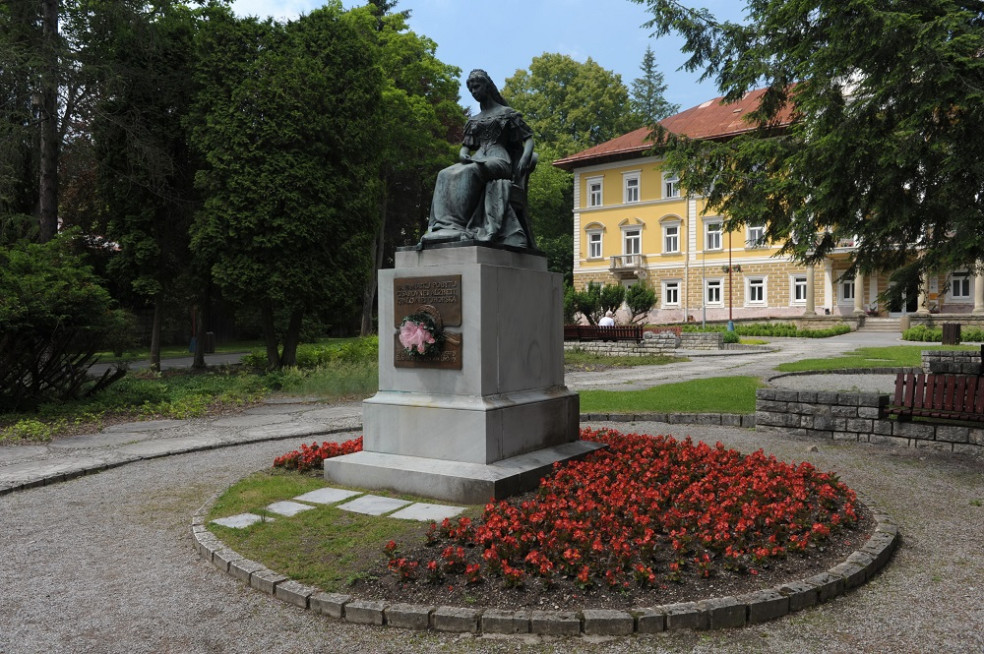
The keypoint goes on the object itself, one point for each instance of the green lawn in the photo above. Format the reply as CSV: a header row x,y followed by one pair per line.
x,y
870,357
324,546
713,395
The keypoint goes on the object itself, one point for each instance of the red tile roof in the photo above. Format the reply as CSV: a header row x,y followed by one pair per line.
x,y
709,120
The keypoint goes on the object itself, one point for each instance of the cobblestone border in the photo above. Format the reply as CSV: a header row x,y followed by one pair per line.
x,y
714,613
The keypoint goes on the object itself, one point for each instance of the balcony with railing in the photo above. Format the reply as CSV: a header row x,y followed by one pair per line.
x,y
628,266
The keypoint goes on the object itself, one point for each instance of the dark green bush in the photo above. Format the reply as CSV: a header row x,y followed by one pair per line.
x,y
54,317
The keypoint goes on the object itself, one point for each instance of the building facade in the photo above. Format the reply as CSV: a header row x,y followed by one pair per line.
x,y
633,223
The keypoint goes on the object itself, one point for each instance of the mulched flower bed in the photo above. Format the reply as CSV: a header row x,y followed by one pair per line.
x,y
649,520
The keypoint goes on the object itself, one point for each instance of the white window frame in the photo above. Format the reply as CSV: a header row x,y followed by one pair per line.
x,y
756,286
797,282
675,225
632,234
631,188
671,185
961,278
596,197
846,290
596,237
671,287
755,236
713,228
717,284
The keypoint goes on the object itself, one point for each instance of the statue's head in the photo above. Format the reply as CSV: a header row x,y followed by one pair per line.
x,y
479,75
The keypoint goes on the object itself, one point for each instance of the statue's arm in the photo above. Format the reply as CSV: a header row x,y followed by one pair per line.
x,y
522,165
464,155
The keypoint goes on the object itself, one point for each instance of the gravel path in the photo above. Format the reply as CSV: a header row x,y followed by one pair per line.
x,y
104,563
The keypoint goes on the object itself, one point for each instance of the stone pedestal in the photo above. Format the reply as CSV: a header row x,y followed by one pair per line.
x,y
495,415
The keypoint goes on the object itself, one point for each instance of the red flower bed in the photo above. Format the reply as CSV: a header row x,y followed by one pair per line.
x,y
644,511
311,457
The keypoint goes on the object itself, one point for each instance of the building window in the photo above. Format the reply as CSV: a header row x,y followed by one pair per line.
x,y
671,293
712,291
755,289
756,236
847,290
671,238
631,188
632,241
712,236
594,245
961,287
799,289
594,192
671,185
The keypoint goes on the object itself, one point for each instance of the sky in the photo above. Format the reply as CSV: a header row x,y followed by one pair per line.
x,y
504,36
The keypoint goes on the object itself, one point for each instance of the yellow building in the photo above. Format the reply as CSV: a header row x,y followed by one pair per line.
x,y
633,223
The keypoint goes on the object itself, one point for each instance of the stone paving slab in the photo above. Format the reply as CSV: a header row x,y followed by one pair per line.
x,y
326,496
166,446
373,505
288,508
250,420
332,413
104,439
427,512
146,425
239,521
39,470
282,430
10,454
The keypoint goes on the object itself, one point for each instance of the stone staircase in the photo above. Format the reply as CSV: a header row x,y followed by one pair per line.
x,y
875,324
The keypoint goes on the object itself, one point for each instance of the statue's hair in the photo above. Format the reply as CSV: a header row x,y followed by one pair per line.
x,y
493,89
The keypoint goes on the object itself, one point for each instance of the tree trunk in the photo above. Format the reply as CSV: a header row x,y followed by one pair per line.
x,y
200,319
48,183
270,337
155,335
369,293
292,338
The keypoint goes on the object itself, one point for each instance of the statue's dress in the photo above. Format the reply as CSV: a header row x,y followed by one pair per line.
x,y
472,200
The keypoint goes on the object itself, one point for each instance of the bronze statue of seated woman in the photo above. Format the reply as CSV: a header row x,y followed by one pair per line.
x,y
483,196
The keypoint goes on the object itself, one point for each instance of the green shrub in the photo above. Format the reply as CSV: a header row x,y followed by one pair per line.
x,y
322,355
773,329
923,333
929,334
731,337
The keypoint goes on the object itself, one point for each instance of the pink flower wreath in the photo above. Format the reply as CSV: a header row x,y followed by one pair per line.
x,y
420,336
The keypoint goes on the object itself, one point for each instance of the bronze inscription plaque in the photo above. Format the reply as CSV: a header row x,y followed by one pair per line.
x,y
448,359
441,293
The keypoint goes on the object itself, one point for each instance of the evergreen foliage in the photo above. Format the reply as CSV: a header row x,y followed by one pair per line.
x,y
886,141
54,317
647,92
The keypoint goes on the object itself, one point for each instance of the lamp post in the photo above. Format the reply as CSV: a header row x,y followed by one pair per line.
x,y
729,269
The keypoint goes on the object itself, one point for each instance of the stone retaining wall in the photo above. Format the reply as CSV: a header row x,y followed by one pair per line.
x,y
653,344
961,362
858,417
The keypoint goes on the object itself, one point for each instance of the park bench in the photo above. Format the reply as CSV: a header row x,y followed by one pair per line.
x,y
596,333
948,396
